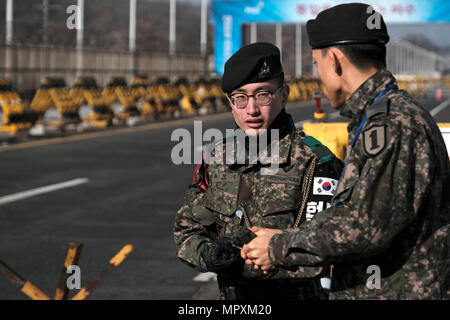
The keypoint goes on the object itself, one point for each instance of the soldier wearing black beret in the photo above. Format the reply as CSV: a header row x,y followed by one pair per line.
x,y
256,62
386,236
227,201
354,23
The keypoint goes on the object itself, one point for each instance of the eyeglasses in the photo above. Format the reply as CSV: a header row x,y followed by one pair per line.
x,y
262,98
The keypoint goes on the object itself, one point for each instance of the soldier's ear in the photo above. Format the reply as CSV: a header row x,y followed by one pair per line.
x,y
285,94
229,100
336,58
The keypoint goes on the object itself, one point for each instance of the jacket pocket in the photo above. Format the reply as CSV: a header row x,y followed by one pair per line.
x,y
277,194
203,215
222,199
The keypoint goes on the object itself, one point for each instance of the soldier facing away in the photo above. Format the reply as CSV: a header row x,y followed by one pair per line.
x,y
227,199
391,209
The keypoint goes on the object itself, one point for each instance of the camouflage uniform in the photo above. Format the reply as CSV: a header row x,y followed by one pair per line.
x,y
270,201
392,204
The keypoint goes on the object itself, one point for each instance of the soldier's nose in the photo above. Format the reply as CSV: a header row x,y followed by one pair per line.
x,y
252,108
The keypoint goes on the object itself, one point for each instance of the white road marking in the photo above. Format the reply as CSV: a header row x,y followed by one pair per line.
x,y
205,277
37,191
440,107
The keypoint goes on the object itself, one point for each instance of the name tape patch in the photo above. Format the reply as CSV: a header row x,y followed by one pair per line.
x,y
283,179
314,207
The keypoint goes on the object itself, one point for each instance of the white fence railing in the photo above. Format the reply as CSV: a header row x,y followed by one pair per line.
x,y
27,65
408,59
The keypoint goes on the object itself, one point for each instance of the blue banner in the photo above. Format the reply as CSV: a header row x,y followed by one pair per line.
x,y
229,15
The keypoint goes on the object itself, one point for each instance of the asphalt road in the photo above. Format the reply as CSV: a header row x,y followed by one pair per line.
x,y
130,195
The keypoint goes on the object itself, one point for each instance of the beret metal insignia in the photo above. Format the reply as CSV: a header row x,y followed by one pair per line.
x,y
265,70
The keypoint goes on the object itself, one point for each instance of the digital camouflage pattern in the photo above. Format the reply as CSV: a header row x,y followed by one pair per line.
x,y
393,205
270,201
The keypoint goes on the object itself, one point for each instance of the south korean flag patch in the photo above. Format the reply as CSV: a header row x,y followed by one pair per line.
x,y
324,186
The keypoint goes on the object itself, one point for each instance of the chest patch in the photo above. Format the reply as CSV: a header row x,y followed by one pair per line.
x,y
324,186
226,177
283,179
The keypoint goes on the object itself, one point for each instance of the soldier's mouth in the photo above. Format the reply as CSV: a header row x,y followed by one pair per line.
x,y
255,123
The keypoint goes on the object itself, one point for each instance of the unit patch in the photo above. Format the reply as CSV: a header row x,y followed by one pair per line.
x,y
374,140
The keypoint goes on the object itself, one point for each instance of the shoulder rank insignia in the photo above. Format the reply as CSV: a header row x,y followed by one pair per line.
x,y
382,106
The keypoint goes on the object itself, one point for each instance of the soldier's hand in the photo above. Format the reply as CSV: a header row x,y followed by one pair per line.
x,y
257,251
222,257
241,236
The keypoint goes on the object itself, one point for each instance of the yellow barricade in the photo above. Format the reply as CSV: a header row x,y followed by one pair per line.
x,y
221,101
117,90
54,93
85,90
189,105
333,135
168,96
15,115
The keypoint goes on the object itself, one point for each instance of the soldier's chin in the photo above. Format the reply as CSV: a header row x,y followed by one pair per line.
x,y
336,102
252,132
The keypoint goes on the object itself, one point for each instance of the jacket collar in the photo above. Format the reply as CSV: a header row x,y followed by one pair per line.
x,y
355,107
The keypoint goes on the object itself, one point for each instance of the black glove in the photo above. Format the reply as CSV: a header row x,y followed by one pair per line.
x,y
242,235
222,257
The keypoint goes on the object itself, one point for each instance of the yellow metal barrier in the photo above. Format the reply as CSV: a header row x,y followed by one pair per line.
x,y
205,99
22,284
15,114
302,88
141,91
188,103
117,90
85,90
54,93
221,101
62,290
168,96
333,135
113,263
294,91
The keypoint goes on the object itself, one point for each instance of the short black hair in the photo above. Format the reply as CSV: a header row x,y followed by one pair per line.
x,y
363,56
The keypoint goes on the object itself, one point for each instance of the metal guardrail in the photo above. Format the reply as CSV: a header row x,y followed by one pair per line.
x,y
27,65
406,58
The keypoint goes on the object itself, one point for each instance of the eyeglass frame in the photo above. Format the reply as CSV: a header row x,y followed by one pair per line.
x,y
253,96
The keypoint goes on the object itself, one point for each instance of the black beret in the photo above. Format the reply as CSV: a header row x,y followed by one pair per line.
x,y
256,62
351,23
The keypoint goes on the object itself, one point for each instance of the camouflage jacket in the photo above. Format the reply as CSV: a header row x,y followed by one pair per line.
x,y
271,201
392,205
